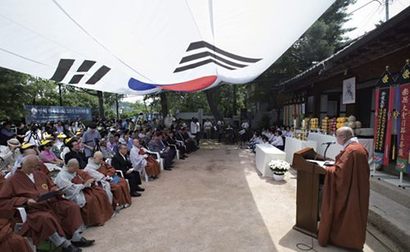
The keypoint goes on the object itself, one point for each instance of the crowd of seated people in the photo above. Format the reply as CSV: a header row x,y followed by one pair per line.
x,y
275,136
68,177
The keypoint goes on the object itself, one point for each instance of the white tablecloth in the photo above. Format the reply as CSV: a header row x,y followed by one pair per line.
x,y
264,154
335,149
293,145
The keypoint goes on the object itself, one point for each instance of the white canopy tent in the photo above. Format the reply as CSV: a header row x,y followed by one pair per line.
x,y
140,47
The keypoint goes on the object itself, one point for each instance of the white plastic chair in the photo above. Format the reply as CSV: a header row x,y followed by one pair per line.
x,y
121,174
176,150
160,160
23,216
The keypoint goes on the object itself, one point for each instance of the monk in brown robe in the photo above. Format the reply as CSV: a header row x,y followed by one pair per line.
x,y
346,192
54,218
82,189
151,166
119,187
10,241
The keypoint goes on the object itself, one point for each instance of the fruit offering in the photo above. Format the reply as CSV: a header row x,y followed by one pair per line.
x,y
332,125
341,121
325,124
314,123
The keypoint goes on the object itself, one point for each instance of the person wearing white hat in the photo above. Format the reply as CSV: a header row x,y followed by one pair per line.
x,y
8,155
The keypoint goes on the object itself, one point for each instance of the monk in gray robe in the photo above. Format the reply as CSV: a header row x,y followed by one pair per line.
x,y
82,189
92,167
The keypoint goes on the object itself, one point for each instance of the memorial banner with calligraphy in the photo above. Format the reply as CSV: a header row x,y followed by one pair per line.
x,y
383,125
403,155
42,114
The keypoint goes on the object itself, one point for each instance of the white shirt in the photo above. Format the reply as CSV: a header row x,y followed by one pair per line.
x,y
277,141
31,138
193,128
207,125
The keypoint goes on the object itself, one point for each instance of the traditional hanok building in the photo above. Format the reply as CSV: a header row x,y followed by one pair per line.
x,y
365,59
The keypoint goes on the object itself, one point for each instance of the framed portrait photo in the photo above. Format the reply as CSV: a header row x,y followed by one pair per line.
x,y
349,90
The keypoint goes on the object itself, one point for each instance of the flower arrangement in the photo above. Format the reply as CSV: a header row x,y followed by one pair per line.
x,y
279,167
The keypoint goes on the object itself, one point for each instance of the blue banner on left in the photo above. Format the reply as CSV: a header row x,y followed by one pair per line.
x,y
42,114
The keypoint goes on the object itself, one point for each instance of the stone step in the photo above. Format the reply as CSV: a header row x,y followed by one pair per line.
x,y
395,193
389,216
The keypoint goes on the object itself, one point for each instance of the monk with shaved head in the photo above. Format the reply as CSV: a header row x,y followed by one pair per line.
x,y
346,191
52,218
105,174
82,189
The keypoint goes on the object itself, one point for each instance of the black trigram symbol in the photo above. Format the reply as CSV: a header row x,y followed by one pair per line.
x,y
64,67
212,54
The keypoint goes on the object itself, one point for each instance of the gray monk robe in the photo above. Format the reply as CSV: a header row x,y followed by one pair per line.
x,y
91,169
95,207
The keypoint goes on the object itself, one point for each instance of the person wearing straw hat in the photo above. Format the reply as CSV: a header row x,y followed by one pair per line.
x,y
58,145
8,155
25,148
46,155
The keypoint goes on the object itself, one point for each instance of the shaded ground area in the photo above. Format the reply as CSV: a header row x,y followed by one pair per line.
x,y
212,201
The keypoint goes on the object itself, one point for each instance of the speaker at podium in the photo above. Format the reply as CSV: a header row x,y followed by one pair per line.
x,y
310,174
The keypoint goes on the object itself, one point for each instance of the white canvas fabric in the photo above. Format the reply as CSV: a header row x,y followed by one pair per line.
x,y
140,47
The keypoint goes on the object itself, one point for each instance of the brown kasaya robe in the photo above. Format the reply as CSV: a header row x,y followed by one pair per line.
x,y
97,209
10,241
46,217
43,168
153,169
120,191
345,201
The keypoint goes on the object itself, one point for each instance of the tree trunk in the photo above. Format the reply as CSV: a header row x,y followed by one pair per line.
x,y
212,96
60,94
164,104
117,107
234,104
100,104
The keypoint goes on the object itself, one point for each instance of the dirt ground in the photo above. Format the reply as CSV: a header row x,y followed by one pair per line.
x,y
212,201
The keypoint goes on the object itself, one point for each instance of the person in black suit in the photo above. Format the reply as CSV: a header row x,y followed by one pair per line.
x,y
121,162
75,152
182,135
169,139
166,153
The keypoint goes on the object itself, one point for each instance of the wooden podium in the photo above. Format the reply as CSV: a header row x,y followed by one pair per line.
x,y
307,191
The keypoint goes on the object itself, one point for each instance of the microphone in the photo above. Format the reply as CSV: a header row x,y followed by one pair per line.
x,y
328,143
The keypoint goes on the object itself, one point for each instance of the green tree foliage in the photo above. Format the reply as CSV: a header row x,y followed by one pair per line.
x,y
229,100
130,110
18,89
13,94
322,39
